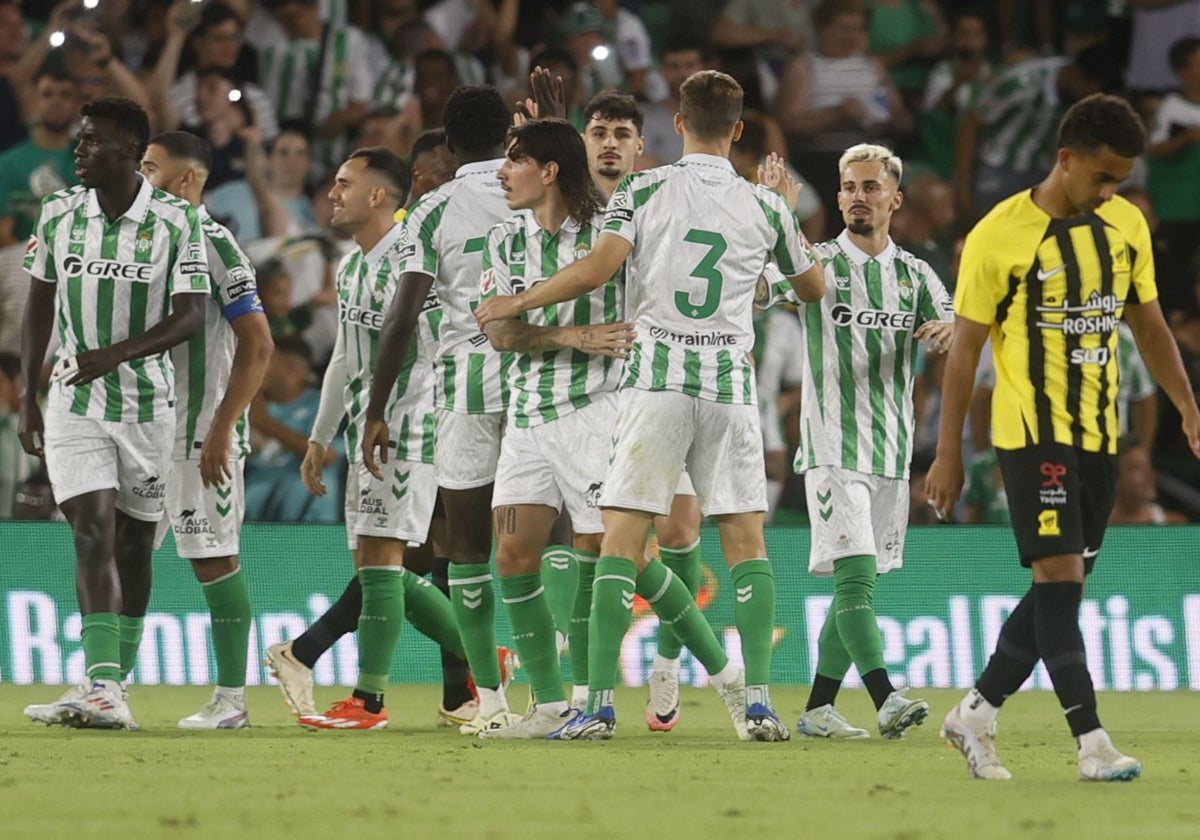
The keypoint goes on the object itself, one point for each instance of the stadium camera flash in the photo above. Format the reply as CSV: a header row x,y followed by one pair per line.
x,y
600,52
90,4
57,38
235,95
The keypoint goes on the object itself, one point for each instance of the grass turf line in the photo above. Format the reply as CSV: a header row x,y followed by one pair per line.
x,y
279,781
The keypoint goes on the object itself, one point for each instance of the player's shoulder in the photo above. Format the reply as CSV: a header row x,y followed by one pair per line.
x,y
914,264
1010,219
64,200
508,229
1122,214
642,184
433,202
169,206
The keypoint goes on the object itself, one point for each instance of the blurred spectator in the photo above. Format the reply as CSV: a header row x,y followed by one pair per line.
x,y
319,75
1007,141
920,512
984,500
779,360
288,164
954,84
777,29
836,96
928,224
275,289
1174,174
587,37
44,163
748,152
84,52
1171,453
281,417
1136,495
390,129
13,39
1157,24
433,164
1027,26
560,63
215,40
435,78
221,115
680,59
628,34
462,25
15,465
908,36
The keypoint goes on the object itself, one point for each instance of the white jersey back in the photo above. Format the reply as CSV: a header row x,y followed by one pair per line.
x,y
204,363
856,408
115,280
701,236
444,236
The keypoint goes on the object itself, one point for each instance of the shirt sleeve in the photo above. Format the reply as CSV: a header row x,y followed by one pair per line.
x,y
39,257
190,274
933,302
619,216
981,282
789,251
331,407
416,243
235,287
1143,288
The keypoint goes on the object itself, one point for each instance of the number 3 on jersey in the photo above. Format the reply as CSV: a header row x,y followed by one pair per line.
x,y
705,270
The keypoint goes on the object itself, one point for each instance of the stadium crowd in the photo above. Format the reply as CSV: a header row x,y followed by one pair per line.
x,y
969,95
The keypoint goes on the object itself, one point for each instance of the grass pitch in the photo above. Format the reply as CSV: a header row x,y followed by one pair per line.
x,y
416,781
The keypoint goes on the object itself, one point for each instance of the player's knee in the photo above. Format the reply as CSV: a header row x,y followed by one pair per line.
x,y
379,551
210,569
515,560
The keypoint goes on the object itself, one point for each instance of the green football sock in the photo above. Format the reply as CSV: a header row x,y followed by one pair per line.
x,y
131,639
533,633
676,610
560,576
612,613
379,625
474,605
685,563
229,605
754,614
853,597
428,610
577,635
833,661
102,646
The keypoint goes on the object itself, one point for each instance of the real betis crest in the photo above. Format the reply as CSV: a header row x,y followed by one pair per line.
x,y
906,287
582,251
143,242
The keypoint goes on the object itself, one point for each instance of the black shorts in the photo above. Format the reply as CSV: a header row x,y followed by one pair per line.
x,y
1059,498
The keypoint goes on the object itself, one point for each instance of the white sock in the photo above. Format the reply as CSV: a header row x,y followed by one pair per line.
x,y
236,696
1090,741
975,711
758,694
491,701
661,663
579,696
726,675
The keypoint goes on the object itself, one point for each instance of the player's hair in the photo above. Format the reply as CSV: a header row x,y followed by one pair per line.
x,y
614,105
872,153
828,10
123,113
476,120
711,104
391,167
1181,52
10,365
1101,120
557,141
427,141
183,145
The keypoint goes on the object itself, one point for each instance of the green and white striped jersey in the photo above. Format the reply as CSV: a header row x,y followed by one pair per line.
x,y
304,87
1021,110
204,363
444,236
1135,382
366,284
546,386
856,407
115,281
701,236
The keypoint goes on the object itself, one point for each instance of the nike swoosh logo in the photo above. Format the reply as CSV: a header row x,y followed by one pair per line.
x,y
1046,275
